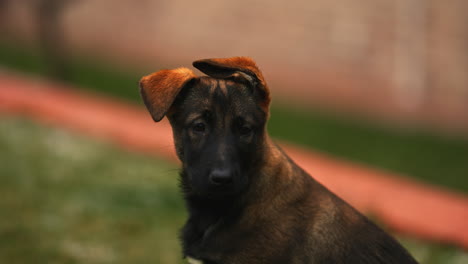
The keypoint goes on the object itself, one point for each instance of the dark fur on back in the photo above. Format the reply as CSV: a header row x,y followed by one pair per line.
x,y
248,202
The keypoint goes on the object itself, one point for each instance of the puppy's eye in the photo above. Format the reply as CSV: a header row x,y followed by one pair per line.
x,y
245,130
199,127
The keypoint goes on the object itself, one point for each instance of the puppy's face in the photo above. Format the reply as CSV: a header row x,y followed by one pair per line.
x,y
218,121
218,129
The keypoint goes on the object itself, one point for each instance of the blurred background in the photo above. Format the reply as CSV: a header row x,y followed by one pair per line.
x,y
383,83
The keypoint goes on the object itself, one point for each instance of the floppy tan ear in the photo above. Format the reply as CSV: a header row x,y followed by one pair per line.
x,y
228,67
160,89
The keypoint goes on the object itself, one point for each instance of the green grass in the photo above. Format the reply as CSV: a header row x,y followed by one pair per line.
x,y
418,154
69,199
84,73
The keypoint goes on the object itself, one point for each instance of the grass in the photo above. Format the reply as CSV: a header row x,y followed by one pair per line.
x,y
419,154
69,199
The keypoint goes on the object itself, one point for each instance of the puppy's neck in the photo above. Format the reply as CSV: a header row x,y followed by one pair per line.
x,y
274,175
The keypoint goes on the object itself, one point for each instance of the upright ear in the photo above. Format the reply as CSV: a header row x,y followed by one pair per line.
x,y
232,67
160,89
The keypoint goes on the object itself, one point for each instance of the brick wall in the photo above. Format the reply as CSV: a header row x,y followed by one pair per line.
x,y
399,60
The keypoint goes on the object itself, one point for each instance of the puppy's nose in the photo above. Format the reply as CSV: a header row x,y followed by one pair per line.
x,y
221,176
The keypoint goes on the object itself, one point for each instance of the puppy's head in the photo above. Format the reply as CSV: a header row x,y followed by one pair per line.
x,y
218,121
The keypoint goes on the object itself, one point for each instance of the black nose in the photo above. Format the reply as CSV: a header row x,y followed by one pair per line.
x,y
221,176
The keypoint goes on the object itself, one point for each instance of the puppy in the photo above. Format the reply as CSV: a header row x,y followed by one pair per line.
x,y
248,202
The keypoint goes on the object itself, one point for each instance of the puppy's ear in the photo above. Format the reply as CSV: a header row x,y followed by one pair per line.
x,y
232,67
160,89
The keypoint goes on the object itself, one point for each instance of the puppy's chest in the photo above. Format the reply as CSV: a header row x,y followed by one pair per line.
x,y
194,261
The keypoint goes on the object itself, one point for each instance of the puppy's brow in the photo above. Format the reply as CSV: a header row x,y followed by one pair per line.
x,y
248,120
209,83
193,116
222,87
213,85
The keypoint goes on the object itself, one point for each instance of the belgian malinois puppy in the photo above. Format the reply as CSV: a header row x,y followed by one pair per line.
x,y
248,202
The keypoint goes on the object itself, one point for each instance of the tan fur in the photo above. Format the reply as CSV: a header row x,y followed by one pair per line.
x,y
222,87
161,88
